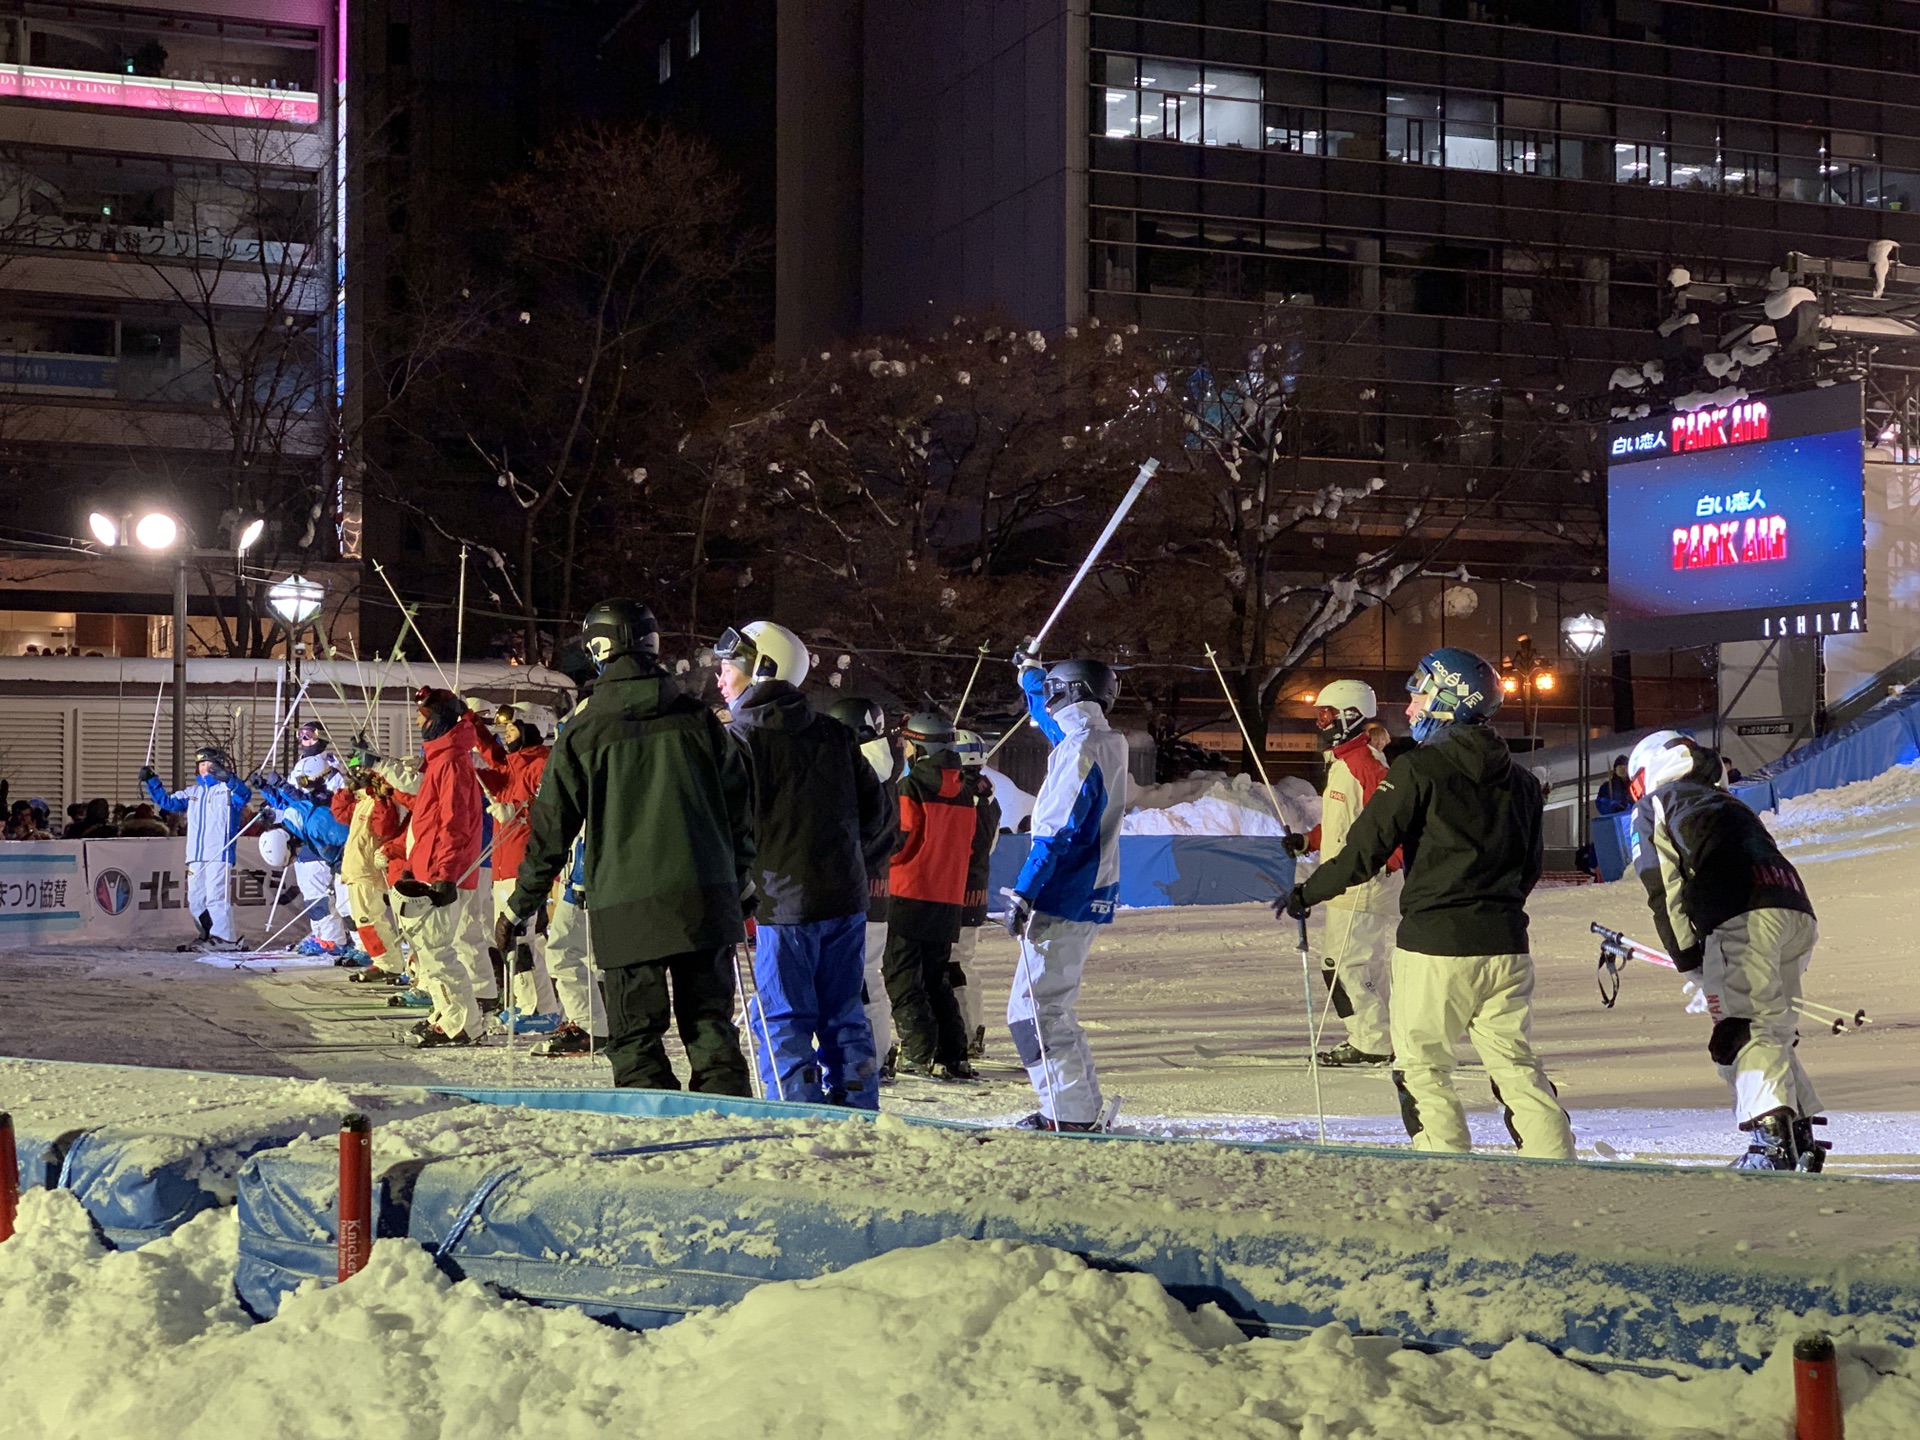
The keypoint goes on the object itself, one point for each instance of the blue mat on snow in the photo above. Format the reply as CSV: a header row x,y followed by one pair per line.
x,y
1160,870
642,1250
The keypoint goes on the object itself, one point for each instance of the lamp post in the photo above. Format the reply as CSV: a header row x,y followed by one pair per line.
x,y
159,533
1584,635
294,602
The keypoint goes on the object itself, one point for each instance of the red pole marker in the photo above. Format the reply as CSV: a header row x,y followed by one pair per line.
x,y
9,1177
1816,1390
355,1225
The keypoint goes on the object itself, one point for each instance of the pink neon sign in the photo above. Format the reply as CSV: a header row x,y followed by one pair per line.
x,y
147,92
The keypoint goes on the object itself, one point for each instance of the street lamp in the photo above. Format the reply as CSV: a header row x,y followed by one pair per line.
x,y
1584,634
294,602
159,532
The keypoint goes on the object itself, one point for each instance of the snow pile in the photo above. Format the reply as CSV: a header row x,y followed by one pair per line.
x,y
959,1339
1216,804
1820,814
1016,805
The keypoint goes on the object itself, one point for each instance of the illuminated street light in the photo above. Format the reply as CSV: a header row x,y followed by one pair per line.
x,y
249,533
295,600
1543,680
156,530
105,529
1584,633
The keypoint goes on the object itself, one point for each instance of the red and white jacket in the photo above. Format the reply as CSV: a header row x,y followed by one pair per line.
x,y
512,781
1353,774
443,836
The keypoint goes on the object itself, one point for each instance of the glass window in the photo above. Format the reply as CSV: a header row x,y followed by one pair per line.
x,y
1122,70
1172,75
1299,130
1469,143
1414,129
1802,166
666,61
1746,159
1639,150
1177,100
1120,113
1694,160
693,35
1353,122
1526,152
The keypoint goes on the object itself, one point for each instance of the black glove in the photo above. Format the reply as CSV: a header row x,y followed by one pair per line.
x,y
147,772
508,931
1024,658
1292,906
1019,915
442,893
1295,843
749,905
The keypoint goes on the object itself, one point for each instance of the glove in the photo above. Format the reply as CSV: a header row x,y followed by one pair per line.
x,y
1295,843
147,772
1292,906
442,893
1696,998
509,930
1019,914
1026,657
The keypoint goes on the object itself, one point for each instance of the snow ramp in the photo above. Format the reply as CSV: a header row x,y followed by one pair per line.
x,y
692,1201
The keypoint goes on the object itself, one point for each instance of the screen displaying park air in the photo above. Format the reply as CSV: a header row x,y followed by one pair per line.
x,y
1740,522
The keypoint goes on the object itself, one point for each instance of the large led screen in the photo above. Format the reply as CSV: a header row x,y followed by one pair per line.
x,y
1746,522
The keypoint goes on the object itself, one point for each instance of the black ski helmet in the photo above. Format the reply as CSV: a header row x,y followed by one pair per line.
x,y
619,627
928,731
213,754
1071,681
866,718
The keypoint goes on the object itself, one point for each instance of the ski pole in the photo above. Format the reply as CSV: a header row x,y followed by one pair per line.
x,y
460,622
746,1023
1259,760
961,708
1313,1055
407,623
1025,970
292,710
1858,1017
154,734
1099,545
758,1006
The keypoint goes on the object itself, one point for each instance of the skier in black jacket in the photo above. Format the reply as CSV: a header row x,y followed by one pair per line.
x,y
1467,820
867,719
1732,911
820,820
666,802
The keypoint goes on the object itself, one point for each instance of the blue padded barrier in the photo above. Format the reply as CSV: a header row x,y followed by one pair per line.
x,y
1160,870
642,1248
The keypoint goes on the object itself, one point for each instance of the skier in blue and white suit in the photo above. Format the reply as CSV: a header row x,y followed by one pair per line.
x,y
1069,885
215,806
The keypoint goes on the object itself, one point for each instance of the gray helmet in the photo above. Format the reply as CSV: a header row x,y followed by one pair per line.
x,y
866,718
928,731
619,627
1071,681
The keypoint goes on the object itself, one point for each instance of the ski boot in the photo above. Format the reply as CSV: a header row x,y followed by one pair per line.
x,y
529,1022
1347,1053
201,941
410,1000
1811,1154
434,1037
372,975
1772,1146
890,1065
960,1070
977,1045
352,958
1037,1121
489,1005
317,947
568,1040
216,945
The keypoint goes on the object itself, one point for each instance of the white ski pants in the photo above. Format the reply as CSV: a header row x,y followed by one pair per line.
x,y
570,962
207,882
1359,948
532,990
367,900
1046,983
1490,998
973,1003
429,929
473,936
1751,974
873,989
315,878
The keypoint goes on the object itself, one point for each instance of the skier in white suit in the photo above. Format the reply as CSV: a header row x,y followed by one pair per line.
x,y
215,806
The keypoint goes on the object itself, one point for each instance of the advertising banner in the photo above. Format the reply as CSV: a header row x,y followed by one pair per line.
x,y
118,892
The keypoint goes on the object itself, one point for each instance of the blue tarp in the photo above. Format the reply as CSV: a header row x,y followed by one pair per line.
x,y
1175,869
641,1248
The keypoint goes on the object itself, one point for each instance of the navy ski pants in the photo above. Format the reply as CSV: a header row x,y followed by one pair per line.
x,y
811,1039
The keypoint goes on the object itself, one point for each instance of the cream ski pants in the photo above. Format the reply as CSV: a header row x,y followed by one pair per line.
x,y
429,932
570,962
1436,998
873,995
207,895
1751,973
532,990
1359,950
1047,1035
473,934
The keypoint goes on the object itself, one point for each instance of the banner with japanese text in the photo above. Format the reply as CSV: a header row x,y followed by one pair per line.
x,y
42,892
118,892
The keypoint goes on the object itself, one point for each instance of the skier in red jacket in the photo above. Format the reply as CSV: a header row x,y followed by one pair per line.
x,y
517,758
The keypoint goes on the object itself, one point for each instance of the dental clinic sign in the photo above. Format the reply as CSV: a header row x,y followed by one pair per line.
x,y
153,92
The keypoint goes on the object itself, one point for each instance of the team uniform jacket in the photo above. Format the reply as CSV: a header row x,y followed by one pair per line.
x,y
310,820
1705,858
215,807
1352,776
938,829
1467,820
986,834
445,831
1073,865
512,779
372,824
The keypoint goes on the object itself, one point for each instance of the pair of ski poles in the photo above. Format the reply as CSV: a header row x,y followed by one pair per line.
x,y
1616,947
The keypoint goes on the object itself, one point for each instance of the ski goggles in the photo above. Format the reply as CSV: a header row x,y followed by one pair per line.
x,y
732,645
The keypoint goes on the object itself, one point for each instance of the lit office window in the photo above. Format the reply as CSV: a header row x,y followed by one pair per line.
x,y
693,35
1639,148
1176,100
1414,129
1468,144
666,61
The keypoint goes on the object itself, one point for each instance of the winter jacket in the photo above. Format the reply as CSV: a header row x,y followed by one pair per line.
x,y
372,823
820,819
1705,858
512,779
664,800
938,821
1353,774
310,820
444,833
1467,819
1073,864
880,870
319,762
1615,797
986,834
215,807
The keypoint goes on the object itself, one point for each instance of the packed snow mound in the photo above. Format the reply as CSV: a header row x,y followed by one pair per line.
x,y
1016,805
1216,804
951,1342
1825,814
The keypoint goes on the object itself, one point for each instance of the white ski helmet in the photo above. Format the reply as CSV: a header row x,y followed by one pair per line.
x,y
275,849
527,712
766,651
1345,707
971,748
1662,758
